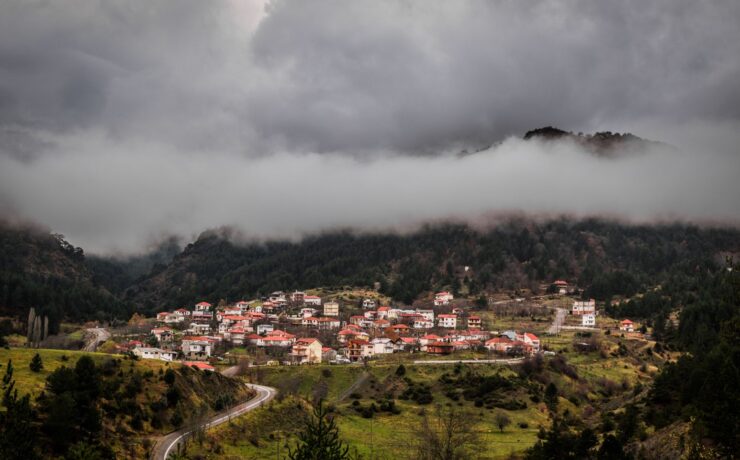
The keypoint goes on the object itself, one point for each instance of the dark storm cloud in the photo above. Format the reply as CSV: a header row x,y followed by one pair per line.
x,y
123,120
337,76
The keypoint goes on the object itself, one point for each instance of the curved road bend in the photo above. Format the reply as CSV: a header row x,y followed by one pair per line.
x,y
96,335
168,444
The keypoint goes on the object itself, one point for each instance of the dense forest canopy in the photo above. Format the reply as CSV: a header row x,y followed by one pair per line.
x,y
606,258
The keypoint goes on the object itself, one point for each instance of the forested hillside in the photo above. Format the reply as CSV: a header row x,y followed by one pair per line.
x,y
40,269
605,257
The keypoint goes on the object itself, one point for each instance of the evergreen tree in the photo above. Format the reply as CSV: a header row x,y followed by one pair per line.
x,y
551,396
8,373
17,431
36,364
320,439
611,449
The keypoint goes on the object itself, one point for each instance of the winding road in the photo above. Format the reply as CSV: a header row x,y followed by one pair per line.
x,y
96,336
168,444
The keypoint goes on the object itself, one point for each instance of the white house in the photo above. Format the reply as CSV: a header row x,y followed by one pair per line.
x,y
627,326
182,312
423,323
588,320
312,300
265,328
203,306
442,298
447,321
155,353
196,347
584,307
428,314
382,345
368,303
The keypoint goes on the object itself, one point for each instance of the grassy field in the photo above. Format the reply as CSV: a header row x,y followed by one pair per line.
x,y
31,382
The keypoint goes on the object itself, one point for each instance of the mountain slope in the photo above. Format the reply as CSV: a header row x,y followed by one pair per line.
x,y
609,257
40,269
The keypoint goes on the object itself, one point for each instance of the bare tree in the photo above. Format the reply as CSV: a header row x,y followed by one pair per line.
x,y
502,420
447,435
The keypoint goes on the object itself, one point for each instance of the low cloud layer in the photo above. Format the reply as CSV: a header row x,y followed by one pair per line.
x,y
109,201
122,121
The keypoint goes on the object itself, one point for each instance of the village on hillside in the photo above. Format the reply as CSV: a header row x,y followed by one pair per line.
x,y
297,328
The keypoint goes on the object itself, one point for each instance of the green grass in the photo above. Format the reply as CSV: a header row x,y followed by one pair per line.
x,y
34,382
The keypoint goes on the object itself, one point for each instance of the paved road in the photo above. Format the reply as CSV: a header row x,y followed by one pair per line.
x,y
168,444
557,323
470,361
96,336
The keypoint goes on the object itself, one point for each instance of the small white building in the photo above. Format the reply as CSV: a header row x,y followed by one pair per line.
x,y
155,353
382,345
584,307
447,321
265,328
313,300
443,298
627,326
588,320
368,303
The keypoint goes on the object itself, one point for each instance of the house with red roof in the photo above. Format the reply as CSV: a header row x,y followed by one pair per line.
x,y
442,298
440,348
427,339
499,344
203,306
400,329
306,350
627,326
312,300
360,349
561,286
163,334
474,322
345,335
328,354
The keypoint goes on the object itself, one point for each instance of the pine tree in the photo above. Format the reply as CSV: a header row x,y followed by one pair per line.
x,y
36,364
8,373
320,439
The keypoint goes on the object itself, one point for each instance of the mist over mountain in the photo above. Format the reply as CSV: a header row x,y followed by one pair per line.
x,y
169,119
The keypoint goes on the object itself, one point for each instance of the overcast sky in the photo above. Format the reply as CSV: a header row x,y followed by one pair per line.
x,y
124,121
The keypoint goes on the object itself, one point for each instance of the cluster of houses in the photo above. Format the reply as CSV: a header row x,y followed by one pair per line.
x,y
291,324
